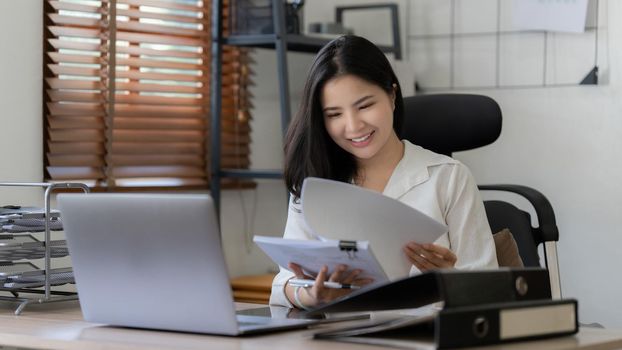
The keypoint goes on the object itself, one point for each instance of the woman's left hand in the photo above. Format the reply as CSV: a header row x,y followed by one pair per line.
x,y
429,256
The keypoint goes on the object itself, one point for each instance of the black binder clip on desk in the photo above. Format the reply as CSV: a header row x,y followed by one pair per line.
x,y
480,308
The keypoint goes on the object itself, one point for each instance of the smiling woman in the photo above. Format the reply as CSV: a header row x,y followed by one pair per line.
x,y
346,129
337,70
363,127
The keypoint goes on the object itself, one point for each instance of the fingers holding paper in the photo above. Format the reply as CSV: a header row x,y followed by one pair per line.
x,y
297,270
319,292
429,256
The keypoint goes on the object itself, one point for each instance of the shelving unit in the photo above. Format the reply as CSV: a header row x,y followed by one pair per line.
x,y
18,273
281,42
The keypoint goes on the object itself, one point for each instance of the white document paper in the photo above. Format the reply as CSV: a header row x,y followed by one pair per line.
x,y
311,255
341,211
551,15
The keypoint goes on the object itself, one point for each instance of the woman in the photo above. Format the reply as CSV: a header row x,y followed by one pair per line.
x,y
346,129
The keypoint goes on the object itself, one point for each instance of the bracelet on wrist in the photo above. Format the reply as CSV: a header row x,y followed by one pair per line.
x,y
297,302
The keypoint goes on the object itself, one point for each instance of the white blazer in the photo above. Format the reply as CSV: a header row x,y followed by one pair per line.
x,y
439,186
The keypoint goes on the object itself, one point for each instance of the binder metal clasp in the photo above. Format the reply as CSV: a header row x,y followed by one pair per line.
x,y
349,247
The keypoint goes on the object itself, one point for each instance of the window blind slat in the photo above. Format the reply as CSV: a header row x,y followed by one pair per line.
x,y
134,50
137,14
163,184
153,63
74,20
160,159
172,171
75,160
68,58
157,135
173,89
202,11
233,139
159,148
75,71
159,100
75,147
73,173
67,96
70,6
82,122
159,29
129,125
161,39
137,75
235,149
85,135
158,171
160,123
126,110
75,109
87,33
68,84
59,44
170,148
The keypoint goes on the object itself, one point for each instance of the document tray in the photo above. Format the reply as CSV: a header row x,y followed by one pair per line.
x,y
18,247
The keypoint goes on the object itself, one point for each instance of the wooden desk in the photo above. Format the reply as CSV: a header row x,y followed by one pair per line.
x,y
60,326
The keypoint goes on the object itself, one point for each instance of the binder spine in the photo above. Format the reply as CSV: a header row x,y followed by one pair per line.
x,y
504,285
505,322
462,329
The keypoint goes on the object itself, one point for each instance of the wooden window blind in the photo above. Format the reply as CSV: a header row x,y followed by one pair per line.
x,y
127,94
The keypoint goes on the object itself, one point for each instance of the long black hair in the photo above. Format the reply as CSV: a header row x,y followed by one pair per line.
x,y
309,150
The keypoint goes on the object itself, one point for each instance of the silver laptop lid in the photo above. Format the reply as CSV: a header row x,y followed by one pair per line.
x,y
149,261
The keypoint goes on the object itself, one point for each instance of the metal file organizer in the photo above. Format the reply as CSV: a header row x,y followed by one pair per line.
x,y
21,244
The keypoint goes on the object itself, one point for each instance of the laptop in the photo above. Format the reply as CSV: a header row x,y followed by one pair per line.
x,y
154,261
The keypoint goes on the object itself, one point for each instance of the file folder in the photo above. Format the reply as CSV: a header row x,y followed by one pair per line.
x,y
311,255
504,322
454,287
468,326
342,211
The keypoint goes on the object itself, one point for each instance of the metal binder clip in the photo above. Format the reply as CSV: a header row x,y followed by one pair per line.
x,y
349,247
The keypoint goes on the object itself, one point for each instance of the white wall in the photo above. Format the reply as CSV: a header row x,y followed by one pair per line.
x,y
21,131
566,142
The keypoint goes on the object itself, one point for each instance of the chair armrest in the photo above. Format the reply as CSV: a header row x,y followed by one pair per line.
x,y
544,210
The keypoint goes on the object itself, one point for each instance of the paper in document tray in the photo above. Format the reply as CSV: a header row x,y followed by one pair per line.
x,y
36,278
18,247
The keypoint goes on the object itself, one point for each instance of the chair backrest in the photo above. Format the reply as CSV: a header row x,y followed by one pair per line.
x,y
447,123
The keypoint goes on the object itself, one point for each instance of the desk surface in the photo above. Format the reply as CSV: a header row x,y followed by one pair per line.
x,y
61,326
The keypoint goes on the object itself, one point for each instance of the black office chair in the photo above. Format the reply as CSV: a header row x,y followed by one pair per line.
x,y
447,123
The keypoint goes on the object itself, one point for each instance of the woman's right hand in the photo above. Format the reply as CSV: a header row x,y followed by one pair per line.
x,y
318,293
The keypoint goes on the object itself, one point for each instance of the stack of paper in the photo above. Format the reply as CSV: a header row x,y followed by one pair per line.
x,y
337,211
